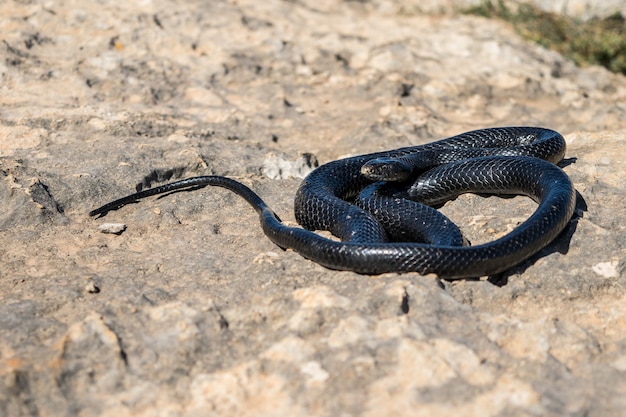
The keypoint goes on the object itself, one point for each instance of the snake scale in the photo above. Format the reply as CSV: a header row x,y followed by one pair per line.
x,y
376,204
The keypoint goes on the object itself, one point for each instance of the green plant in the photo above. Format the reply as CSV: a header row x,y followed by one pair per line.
x,y
593,42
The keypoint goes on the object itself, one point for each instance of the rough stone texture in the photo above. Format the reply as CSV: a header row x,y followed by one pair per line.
x,y
191,311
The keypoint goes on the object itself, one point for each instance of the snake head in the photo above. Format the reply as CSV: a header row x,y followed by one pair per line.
x,y
387,169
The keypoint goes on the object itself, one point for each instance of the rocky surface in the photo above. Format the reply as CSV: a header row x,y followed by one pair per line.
x,y
179,306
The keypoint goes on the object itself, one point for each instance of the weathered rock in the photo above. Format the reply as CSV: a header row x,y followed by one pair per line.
x,y
192,311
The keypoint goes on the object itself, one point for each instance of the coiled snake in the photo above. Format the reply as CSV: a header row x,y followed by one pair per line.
x,y
378,222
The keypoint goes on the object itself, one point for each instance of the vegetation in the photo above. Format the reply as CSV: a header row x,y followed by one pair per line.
x,y
596,41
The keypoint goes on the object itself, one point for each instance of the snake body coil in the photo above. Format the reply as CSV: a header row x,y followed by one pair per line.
x,y
344,198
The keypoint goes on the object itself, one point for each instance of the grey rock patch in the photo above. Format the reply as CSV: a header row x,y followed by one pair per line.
x,y
112,228
275,167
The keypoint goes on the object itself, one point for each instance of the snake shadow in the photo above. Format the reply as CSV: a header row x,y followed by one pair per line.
x,y
560,244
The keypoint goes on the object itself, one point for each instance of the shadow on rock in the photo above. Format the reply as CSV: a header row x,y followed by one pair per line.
x,y
560,244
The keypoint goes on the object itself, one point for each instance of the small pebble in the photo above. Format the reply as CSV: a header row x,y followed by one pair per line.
x,y
114,228
91,288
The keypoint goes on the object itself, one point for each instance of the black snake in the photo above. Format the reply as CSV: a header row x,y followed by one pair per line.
x,y
369,217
